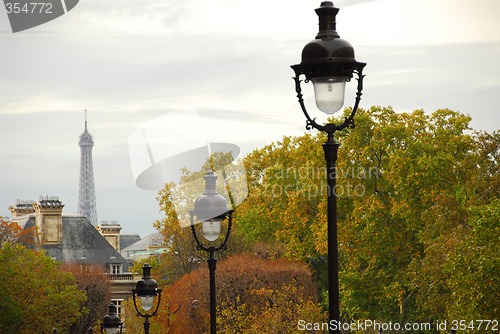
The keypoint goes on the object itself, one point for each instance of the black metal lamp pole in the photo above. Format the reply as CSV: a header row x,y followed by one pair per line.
x,y
111,322
147,290
328,61
211,209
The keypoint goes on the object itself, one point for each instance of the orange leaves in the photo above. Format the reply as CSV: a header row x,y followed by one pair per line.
x,y
13,233
247,288
93,281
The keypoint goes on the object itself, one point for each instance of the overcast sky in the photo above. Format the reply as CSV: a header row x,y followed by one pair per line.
x,y
130,61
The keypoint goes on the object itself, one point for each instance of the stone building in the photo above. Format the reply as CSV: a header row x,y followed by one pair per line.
x,y
151,245
73,239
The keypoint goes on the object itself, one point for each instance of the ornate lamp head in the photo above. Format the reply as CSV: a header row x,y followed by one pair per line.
x,y
111,322
146,289
210,208
329,62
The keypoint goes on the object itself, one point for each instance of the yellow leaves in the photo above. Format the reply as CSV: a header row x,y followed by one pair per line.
x,y
252,295
320,230
282,310
48,297
420,174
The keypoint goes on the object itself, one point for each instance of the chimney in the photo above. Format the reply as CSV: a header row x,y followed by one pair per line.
x,y
111,232
22,208
49,219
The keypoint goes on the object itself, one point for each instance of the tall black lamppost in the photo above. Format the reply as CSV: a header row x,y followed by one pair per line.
x,y
211,209
329,63
147,290
111,323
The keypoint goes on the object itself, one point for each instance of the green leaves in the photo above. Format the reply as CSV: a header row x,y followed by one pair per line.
x,y
417,213
410,189
473,266
36,295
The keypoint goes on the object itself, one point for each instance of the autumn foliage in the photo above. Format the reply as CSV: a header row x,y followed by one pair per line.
x,y
418,232
247,288
35,295
15,234
418,213
93,281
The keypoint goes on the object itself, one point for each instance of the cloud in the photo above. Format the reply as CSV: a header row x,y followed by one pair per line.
x,y
420,22
349,3
229,60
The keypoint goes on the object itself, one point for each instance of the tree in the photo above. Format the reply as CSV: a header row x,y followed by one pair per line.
x,y
13,233
283,312
135,323
93,281
153,261
35,295
473,267
248,291
412,190
182,256
285,189
461,259
418,204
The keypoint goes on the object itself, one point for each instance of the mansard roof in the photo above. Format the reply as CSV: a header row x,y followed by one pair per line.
x,y
128,239
81,242
155,239
23,220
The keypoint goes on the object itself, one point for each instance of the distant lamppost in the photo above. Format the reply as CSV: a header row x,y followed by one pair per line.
x,y
147,290
329,63
111,323
211,209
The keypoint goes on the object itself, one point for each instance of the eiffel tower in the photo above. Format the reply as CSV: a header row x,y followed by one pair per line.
x,y
86,200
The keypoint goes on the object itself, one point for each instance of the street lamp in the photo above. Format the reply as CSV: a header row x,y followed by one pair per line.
x,y
328,61
147,290
211,209
111,323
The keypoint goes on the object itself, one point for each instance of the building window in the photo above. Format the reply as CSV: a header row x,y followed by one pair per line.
x,y
119,307
116,269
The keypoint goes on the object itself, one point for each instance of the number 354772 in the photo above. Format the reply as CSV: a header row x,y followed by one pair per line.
x,y
29,7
